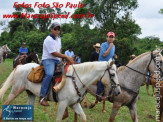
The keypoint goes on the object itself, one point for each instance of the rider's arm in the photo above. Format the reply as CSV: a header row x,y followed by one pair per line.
x,y
60,55
108,50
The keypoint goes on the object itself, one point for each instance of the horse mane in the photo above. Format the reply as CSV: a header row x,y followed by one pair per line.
x,y
120,68
89,66
135,59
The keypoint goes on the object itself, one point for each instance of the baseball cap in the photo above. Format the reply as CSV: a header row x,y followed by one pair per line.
x,y
111,34
55,24
23,43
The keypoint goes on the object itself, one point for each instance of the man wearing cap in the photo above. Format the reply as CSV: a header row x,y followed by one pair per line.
x,y
23,50
51,56
107,51
94,56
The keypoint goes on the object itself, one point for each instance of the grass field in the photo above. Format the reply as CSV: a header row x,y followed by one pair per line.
x,y
145,105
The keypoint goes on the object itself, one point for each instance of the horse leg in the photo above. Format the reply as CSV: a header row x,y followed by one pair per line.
x,y
75,117
31,98
93,104
147,88
13,94
61,109
103,106
85,103
114,112
133,112
78,110
65,115
153,89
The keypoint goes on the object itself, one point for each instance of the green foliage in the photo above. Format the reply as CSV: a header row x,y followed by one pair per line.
x,y
161,11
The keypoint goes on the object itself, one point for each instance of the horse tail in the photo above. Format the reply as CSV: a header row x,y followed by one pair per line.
x,y
7,84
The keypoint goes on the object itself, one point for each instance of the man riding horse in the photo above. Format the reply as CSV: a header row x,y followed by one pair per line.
x,y
23,51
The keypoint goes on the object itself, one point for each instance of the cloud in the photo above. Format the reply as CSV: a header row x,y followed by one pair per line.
x,y
148,18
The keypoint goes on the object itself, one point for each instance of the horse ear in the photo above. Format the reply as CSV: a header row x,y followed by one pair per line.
x,y
112,62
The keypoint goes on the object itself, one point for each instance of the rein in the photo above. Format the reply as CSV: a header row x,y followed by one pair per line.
x,y
152,58
79,94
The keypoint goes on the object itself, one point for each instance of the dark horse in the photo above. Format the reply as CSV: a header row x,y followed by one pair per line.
x,y
23,59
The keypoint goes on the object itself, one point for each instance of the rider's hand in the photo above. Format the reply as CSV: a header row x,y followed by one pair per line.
x,y
70,59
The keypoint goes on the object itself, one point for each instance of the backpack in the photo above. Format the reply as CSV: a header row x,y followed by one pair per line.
x,y
36,75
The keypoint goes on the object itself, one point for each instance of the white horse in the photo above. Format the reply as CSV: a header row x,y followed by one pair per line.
x,y
3,50
84,74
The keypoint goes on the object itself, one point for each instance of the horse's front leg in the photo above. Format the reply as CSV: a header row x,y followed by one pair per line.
x,y
147,88
115,108
153,88
103,106
61,109
133,112
78,110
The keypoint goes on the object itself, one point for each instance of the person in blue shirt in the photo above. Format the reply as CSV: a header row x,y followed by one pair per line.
x,y
78,58
107,51
23,50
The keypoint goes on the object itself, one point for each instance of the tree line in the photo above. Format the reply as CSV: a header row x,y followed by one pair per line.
x,y
83,33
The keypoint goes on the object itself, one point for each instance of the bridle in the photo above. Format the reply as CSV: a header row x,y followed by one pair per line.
x,y
34,57
113,84
135,94
152,58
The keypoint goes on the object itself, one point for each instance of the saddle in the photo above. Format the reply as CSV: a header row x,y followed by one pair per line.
x,y
37,74
18,60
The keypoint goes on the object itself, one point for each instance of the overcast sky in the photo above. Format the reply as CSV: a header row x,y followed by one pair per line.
x,y
146,15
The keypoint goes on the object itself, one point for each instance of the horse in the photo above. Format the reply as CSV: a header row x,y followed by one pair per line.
x,y
74,85
33,56
130,78
152,81
3,50
161,102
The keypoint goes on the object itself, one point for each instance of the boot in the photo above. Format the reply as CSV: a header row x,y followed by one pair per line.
x,y
43,102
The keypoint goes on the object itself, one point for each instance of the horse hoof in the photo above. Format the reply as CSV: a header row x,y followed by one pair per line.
x,y
85,106
103,111
91,106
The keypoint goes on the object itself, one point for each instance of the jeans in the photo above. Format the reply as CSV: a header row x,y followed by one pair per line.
x,y
49,67
100,88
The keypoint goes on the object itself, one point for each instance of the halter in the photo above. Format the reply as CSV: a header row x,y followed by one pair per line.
x,y
113,85
152,58
135,94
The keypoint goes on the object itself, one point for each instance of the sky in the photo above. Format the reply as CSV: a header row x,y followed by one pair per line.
x,y
146,15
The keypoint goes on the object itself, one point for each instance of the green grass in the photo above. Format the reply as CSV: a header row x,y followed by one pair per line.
x,y
145,105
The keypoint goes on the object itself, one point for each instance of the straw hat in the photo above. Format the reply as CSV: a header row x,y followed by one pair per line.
x,y
97,45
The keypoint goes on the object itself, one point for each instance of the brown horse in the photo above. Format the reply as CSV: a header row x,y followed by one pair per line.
x,y
23,59
152,81
161,101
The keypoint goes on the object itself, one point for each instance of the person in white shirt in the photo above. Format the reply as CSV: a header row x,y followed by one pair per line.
x,y
51,56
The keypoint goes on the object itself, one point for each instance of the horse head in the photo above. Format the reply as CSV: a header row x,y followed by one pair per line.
x,y
34,57
156,63
6,49
110,79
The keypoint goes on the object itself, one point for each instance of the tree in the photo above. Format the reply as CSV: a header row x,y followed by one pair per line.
x,y
161,11
41,22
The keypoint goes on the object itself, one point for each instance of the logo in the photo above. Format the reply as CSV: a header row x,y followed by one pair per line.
x,y
17,112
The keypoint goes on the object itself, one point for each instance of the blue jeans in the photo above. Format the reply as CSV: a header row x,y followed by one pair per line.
x,y
100,88
49,67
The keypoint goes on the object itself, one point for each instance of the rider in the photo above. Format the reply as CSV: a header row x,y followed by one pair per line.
x,y
51,56
107,51
23,50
